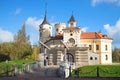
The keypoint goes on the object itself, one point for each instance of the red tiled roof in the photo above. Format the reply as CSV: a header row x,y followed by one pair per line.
x,y
57,37
93,35
60,36
84,35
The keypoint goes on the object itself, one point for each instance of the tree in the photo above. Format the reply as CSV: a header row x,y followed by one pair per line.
x,y
35,51
21,35
19,49
116,55
15,50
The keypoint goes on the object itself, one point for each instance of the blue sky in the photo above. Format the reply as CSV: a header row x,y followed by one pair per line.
x,y
91,15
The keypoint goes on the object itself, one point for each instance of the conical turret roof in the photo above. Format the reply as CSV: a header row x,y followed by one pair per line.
x,y
45,21
72,19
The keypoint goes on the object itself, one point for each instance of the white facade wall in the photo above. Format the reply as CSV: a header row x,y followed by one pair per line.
x,y
60,27
106,55
75,36
102,49
47,27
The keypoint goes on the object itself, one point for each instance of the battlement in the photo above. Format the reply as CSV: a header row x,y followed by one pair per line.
x,y
60,25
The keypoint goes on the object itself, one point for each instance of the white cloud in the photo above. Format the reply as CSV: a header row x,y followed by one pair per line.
x,y
34,22
94,2
84,29
5,36
114,31
18,11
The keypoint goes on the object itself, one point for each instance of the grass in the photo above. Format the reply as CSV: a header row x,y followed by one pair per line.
x,y
104,71
10,65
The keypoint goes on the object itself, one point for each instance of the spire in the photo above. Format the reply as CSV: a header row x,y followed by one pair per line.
x,y
72,19
45,21
72,22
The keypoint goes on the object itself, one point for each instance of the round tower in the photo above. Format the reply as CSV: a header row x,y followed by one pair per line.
x,y
45,30
59,28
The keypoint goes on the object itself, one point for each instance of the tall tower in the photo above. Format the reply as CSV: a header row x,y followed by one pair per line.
x,y
59,28
45,29
72,34
72,22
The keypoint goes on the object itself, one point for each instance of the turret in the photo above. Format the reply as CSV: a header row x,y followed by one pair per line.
x,y
72,22
45,29
59,28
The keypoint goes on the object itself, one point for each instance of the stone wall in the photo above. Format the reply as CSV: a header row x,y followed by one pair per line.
x,y
81,58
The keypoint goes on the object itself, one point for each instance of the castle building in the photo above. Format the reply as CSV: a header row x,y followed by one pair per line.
x,y
85,48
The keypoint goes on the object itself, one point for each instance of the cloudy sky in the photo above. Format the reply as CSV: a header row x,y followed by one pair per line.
x,y
91,16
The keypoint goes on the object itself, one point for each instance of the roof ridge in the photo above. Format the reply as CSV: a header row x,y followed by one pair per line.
x,y
97,35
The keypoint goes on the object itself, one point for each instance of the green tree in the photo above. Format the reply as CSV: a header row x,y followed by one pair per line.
x,y
35,51
15,50
116,55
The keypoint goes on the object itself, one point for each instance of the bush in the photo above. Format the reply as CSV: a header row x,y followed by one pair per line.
x,y
104,71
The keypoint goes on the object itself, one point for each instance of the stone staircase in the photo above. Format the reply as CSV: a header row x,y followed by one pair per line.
x,y
47,71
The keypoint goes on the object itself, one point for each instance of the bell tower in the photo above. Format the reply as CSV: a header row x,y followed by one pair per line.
x,y
72,22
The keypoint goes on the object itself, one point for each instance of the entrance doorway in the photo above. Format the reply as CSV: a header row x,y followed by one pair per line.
x,y
69,57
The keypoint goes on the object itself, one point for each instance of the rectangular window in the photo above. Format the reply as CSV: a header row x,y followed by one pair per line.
x,y
97,47
90,47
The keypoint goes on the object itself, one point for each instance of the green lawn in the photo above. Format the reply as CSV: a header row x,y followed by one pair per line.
x,y
10,65
104,71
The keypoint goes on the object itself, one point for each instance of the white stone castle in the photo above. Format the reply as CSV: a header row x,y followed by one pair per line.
x,y
85,48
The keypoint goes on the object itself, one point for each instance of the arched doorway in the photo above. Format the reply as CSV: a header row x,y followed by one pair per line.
x,y
69,57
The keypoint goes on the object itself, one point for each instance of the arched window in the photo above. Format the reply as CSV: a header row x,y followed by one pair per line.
x,y
95,58
71,40
106,48
106,57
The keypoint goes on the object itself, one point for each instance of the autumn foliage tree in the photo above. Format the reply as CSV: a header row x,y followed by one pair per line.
x,y
20,48
13,51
